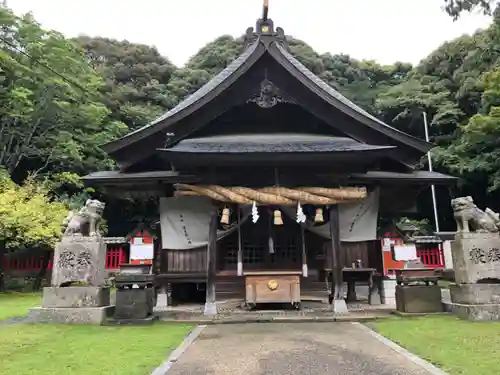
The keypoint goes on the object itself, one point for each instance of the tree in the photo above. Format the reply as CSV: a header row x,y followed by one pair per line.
x,y
136,78
456,7
476,150
29,217
51,116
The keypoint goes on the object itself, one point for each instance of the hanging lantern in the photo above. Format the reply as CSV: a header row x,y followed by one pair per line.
x,y
318,218
225,216
278,220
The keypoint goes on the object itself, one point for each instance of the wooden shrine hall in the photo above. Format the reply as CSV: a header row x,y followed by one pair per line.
x,y
267,180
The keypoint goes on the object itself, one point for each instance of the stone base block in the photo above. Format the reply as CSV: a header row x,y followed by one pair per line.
x,y
488,312
71,315
475,294
76,296
418,299
134,303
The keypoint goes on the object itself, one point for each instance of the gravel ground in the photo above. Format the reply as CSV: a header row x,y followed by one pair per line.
x,y
299,349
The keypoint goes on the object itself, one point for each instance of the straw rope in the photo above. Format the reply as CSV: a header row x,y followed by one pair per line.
x,y
274,195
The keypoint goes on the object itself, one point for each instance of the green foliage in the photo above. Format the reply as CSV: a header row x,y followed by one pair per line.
x,y
476,150
28,216
456,7
136,77
51,114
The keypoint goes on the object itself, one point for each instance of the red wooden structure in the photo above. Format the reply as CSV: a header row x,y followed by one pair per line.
x,y
116,254
429,250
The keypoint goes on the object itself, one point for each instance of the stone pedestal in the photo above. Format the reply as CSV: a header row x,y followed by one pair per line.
x,y
74,305
476,257
479,302
136,295
76,296
476,260
418,299
77,259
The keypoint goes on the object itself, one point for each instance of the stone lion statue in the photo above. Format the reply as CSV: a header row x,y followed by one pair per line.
x,y
469,216
85,221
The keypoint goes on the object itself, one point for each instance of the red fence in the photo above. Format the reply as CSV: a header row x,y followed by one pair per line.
x,y
432,255
115,255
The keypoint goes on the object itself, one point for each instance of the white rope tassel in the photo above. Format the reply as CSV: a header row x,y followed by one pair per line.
x,y
301,217
255,213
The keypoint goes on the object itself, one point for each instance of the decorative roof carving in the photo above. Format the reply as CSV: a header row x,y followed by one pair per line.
x,y
269,95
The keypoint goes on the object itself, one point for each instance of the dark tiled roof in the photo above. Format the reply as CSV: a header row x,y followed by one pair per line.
x,y
271,143
112,176
380,125
413,176
200,93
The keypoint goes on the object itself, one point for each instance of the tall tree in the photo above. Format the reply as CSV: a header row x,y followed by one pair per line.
x,y
456,7
51,117
136,78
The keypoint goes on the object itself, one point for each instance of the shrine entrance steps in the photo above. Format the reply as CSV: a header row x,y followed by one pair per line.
x,y
233,311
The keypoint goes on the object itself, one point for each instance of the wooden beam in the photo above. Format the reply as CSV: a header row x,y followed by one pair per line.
x,y
338,303
210,304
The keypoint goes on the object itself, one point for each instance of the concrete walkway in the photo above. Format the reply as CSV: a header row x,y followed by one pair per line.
x,y
299,349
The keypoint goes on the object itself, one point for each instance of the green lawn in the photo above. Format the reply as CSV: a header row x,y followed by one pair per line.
x,y
18,304
456,346
84,350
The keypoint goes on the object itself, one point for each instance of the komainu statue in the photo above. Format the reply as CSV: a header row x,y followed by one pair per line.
x,y
85,222
468,216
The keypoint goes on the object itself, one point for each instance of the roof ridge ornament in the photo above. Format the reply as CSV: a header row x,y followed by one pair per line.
x,y
264,29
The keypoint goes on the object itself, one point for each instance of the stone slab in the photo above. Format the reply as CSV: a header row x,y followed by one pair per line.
x,y
489,312
418,298
475,294
476,256
76,296
79,260
71,315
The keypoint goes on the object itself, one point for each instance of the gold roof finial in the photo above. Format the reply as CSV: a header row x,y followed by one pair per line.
x,y
265,10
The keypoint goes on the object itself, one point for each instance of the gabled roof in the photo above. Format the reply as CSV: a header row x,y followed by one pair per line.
x,y
262,43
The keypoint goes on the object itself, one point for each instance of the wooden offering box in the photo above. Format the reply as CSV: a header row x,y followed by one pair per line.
x,y
272,287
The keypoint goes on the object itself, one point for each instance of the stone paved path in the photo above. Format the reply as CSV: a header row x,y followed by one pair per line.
x,y
299,349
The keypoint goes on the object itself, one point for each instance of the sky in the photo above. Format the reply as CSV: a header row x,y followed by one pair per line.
x,y
383,30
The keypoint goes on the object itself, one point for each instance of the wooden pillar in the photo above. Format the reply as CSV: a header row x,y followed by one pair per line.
x,y
210,304
240,250
304,252
338,303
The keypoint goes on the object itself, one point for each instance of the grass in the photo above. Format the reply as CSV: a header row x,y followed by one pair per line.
x,y
456,346
444,284
83,350
13,305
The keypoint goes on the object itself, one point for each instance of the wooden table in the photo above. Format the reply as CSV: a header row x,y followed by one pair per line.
x,y
272,287
353,275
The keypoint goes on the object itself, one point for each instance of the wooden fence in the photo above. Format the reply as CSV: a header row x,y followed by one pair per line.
x,y
115,255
